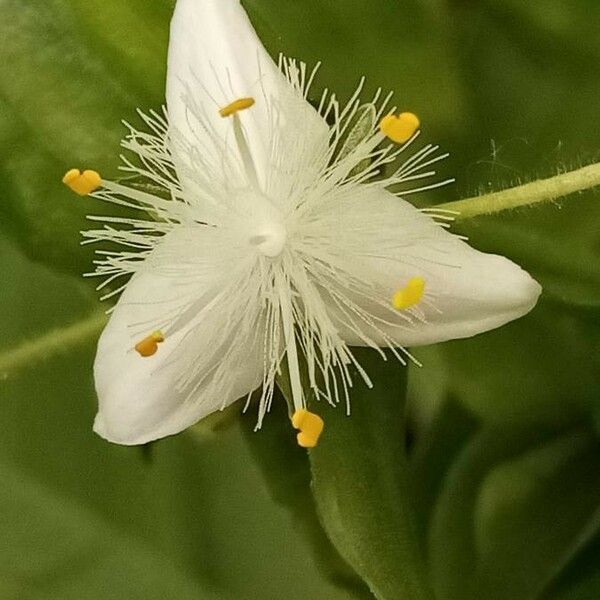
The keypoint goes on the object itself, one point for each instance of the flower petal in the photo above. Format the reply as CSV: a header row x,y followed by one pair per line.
x,y
215,57
382,243
211,358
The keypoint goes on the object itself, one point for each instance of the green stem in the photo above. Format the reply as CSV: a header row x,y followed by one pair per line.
x,y
50,344
543,190
536,192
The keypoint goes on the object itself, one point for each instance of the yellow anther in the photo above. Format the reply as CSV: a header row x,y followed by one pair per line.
x,y
149,345
310,426
400,128
236,106
82,183
409,295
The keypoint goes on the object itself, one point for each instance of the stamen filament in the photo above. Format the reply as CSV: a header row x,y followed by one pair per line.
x,y
291,348
232,110
244,151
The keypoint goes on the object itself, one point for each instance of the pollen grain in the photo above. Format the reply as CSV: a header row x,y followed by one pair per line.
x,y
82,183
400,128
310,426
149,345
236,106
410,295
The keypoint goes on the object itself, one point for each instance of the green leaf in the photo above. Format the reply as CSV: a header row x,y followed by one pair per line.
x,y
427,384
451,546
535,370
581,581
531,514
53,548
70,71
433,454
286,470
362,487
519,48
512,514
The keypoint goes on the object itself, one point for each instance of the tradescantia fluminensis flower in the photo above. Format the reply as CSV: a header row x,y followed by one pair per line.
x,y
268,233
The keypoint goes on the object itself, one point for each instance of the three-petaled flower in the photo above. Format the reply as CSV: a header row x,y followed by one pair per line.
x,y
270,233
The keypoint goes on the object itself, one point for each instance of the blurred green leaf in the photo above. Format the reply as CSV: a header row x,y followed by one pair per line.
x,y
581,581
427,384
535,370
525,58
286,470
451,543
512,512
434,452
362,487
531,513
90,559
82,67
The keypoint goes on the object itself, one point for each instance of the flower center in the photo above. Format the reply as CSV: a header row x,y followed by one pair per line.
x,y
259,215
270,241
260,222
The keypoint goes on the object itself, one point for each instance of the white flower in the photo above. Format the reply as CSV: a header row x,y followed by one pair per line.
x,y
265,233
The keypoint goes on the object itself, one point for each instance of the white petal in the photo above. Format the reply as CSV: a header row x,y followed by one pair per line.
x,y
383,242
143,399
215,57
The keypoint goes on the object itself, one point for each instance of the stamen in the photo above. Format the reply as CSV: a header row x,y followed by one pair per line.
x,y
244,150
285,305
82,183
410,295
240,139
400,128
149,345
310,426
236,106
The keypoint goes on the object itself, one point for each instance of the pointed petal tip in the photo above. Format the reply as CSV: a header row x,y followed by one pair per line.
x,y
124,433
467,292
518,292
140,399
121,438
527,293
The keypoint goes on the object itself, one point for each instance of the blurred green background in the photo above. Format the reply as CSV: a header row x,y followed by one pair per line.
x,y
504,455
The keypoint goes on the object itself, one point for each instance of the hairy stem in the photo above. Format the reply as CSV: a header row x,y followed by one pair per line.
x,y
543,190
50,344
536,192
